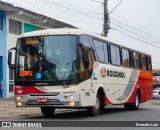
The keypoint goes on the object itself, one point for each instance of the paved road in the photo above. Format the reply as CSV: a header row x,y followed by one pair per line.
x,y
115,113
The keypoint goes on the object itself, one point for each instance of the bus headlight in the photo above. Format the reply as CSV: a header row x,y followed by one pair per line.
x,y
19,104
71,103
18,98
71,96
68,97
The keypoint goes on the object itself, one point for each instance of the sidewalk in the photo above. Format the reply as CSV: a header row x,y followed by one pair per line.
x,y
8,109
152,102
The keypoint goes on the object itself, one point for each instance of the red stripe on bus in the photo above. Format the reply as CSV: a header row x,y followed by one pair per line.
x,y
145,84
26,90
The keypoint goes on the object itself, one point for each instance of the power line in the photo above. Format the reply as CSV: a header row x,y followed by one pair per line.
x,y
135,38
81,8
97,1
135,33
60,5
66,17
75,11
87,15
133,27
87,10
115,7
46,1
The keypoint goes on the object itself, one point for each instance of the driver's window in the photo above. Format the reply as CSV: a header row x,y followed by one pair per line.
x,y
86,57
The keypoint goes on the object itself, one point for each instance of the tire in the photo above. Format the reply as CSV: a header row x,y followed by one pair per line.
x,y
134,105
96,109
102,107
127,106
47,111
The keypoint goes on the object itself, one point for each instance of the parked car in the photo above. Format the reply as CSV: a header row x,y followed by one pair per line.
x,y
156,94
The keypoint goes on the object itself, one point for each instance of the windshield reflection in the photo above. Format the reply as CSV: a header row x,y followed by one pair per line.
x,y
53,56
60,53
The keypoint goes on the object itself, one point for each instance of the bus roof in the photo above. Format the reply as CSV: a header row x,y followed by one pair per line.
x,y
60,31
71,31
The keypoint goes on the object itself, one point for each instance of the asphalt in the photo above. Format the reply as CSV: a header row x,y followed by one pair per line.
x,y
8,108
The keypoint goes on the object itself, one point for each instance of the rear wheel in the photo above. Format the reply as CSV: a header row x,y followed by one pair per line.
x,y
134,105
102,107
48,111
95,110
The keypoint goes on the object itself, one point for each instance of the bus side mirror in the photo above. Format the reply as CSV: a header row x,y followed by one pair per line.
x,y
11,65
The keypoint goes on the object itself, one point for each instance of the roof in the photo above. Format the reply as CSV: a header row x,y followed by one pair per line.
x,y
60,31
36,17
72,31
57,31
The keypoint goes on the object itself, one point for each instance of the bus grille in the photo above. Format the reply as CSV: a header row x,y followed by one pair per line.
x,y
50,102
44,94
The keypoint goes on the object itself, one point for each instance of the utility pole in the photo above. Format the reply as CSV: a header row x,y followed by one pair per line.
x,y
106,19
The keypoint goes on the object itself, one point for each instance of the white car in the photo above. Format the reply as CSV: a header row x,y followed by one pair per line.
x,y
156,94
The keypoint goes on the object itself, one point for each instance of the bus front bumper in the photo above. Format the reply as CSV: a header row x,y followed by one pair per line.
x,y
61,100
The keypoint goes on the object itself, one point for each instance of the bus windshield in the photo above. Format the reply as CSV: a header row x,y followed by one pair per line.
x,y
46,58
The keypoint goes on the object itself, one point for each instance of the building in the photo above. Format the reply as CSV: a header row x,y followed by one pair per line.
x,y
13,22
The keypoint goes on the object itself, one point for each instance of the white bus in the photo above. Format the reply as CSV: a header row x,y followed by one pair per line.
x,y
72,68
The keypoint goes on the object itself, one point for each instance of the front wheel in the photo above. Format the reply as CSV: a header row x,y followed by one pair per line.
x,y
48,111
95,110
134,105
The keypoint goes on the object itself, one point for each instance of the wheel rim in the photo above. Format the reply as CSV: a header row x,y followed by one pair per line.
x,y
137,100
96,106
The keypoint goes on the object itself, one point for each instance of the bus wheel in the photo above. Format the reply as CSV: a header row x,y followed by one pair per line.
x,y
95,110
134,105
48,111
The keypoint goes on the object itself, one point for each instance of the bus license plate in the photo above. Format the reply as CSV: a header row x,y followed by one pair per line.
x,y
42,99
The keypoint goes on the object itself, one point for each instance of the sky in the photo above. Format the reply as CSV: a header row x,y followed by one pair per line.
x,y
134,23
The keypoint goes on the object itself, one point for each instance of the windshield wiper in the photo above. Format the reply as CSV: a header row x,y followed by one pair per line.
x,y
59,81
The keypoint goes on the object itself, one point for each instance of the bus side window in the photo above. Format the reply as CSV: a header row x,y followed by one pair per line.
x,y
144,62
126,58
84,40
106,53
99,48
136,60
92,50
86,57
115,55
149,63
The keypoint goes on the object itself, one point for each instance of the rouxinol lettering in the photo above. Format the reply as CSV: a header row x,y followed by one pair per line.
x,y
117,74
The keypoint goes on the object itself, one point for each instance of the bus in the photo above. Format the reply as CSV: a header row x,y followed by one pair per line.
x,y
73,68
